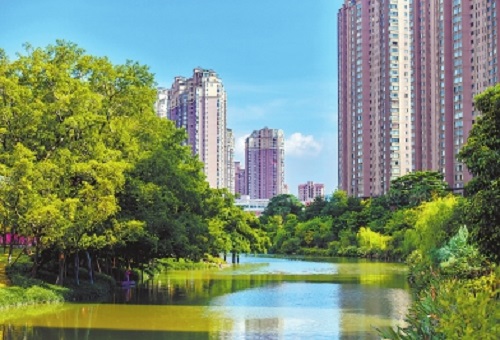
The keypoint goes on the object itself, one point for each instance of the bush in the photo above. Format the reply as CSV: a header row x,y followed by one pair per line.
x,y
36,294
453,309
469,308
455,298
182,264
26,290
458,258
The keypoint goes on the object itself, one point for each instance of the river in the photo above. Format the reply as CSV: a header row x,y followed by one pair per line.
x,y
259,298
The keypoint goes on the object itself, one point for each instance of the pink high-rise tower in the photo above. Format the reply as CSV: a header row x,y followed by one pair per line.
x,y
265,163
198,104
408,72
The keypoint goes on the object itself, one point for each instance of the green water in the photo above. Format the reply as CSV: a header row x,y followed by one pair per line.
x,y
260,298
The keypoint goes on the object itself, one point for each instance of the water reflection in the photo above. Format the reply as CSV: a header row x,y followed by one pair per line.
x,y
262,298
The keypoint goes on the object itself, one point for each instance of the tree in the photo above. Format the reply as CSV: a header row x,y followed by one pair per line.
x,y
315,208
435,225
481,155
233,230
85,160
414,188
283,205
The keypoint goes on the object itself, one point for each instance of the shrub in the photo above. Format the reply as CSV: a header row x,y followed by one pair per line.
x,y
453,309
458,258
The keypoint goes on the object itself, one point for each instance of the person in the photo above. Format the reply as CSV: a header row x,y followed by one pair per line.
x,y
127,275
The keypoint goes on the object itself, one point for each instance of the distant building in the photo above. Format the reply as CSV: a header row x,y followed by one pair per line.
x,y
198,104
161,104
265,163
230,161
240,183
256,206
310,190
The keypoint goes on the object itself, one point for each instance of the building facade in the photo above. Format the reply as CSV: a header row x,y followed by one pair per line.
x,y
408,72
265,163
240,183
198,104
310,190
455,53
230,178
162,101
374,95
253,205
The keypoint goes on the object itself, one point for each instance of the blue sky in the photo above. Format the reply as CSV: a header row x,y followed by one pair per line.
x,y
277,59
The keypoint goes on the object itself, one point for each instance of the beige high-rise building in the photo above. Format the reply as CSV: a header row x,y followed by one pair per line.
x,y
198,104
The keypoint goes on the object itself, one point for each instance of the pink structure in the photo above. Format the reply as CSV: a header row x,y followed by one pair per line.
x,y
240,180
408,72
310,190
265,163
198,104
374,95
455,52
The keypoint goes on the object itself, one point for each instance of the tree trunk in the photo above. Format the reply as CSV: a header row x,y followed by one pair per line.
x,y
77,268
62,261
36,264
4,237
89,267
18,256
11,246
98,265
233,257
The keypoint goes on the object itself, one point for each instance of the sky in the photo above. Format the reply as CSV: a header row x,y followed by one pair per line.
x,y
277,60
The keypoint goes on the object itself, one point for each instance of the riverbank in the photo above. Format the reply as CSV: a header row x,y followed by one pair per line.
x,y
18,288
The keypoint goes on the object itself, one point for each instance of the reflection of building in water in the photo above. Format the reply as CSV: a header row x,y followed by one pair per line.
x,y
400,301
366,306
264,328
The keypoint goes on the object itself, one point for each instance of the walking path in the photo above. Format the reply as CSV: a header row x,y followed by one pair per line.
x,y
4,281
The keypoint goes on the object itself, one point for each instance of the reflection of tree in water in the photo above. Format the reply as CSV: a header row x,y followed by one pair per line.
x,y
186,288
55,324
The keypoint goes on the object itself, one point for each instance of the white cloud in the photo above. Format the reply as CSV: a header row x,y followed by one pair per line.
x,y
239,148
302,145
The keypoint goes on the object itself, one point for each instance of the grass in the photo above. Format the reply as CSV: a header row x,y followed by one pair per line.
x,y
19,289
4,280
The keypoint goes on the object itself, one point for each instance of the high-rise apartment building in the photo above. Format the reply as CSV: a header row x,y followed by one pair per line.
x,y
265,163
455,54
408,72
375,143
198,104
310,190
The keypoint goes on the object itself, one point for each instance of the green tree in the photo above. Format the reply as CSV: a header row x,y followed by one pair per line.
x,y
283,205
86,135
481,155
435,225
315,208
414,188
